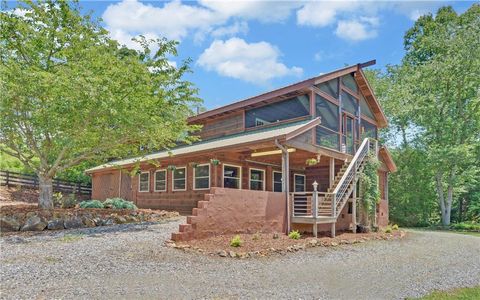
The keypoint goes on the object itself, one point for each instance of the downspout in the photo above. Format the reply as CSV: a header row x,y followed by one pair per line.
x,y
286,180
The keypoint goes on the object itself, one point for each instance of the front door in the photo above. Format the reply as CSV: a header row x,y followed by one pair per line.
x,y
348,129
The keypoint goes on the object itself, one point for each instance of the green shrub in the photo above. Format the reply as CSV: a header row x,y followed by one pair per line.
x,y
91,204
69,201
294,235
395,227
236,241
118,203
465,226
388,229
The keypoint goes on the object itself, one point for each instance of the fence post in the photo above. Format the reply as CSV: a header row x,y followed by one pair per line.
x,y
7,179
315,207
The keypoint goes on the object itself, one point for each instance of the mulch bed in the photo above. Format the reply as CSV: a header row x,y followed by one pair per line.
x,y
264,244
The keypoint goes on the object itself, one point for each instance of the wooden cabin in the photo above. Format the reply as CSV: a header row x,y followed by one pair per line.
x,y
305,143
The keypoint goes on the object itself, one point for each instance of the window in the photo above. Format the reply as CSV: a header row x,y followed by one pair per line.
x,y
231,176
367,130
201,175
349,103
328,112
350,83
299,182
179,176
327,138
330,87
160,181
277,181
257,179
279,111
144,182
365,108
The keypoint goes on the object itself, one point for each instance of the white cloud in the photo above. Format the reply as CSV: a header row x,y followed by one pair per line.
x,y
320,14
356,30
254,62
232,30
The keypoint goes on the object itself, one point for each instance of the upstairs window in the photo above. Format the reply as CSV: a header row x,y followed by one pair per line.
x,y
231,177
277,181
328,112
160,181
280,111
350,83
367,130
144,182
365,108
257,179
330,87
349,103
201,176
179,179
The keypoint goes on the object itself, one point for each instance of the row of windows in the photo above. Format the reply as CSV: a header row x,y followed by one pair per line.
x,y
232,178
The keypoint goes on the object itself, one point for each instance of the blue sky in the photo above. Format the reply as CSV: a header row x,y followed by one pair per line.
x,y
240,49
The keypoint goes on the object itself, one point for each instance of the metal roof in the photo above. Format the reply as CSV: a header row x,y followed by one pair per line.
x,y
288,130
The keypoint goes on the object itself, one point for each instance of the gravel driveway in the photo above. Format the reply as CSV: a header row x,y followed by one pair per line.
x,y
130,261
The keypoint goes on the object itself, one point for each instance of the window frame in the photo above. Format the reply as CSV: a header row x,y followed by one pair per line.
x,y
239,178
185,178
195,178
250,178
273,181
139,182
155,180
295,182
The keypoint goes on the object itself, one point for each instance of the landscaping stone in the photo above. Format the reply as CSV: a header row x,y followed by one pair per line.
x,y
73,222
98,221
89,222
9,224
232,254
222,253
34,223
55,224
108,222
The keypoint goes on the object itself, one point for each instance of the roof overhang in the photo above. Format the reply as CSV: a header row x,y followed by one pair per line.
x,y
367,91
387,159
282,133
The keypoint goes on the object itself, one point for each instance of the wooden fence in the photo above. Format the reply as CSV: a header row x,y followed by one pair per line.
x,y
8,178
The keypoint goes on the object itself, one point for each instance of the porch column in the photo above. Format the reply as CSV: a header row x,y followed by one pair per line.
x,y
331,172
354,207
286,183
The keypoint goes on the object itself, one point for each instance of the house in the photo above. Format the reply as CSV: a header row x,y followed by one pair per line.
x,y
267,154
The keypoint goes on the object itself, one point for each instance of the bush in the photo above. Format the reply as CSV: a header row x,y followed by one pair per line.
x,y
388,229
395,227
294,235
465,226
236,241
118,203
91,204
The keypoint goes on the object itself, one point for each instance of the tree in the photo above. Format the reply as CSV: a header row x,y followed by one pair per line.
x,y
434,96
69,93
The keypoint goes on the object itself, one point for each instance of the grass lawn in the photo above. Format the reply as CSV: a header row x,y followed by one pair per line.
x,y
473,233
455,294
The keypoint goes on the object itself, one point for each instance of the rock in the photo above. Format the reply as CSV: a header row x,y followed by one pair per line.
x,y
89,222
312,243
108,222
243,255
9,224
289,249
120,220
98,221
55,224
334,244
343,242
34,223
31,214
363,229
232,253
73,222
222,253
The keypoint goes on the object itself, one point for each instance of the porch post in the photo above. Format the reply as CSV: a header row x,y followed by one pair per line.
x,y
285,180
331,170
354,207
315,207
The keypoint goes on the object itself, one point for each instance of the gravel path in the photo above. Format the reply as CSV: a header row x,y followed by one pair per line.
x,y
130,261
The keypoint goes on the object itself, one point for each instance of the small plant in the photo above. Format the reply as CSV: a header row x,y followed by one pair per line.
x,y
294,235
311,162
194,165
118,203
236,241
91,204
68,202
395,227
215,161
388,229
57,199
256,237
171,168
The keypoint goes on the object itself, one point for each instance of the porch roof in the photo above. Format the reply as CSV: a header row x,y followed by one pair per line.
x,y
283,132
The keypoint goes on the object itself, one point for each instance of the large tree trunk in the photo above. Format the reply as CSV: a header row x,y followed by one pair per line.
x,y
45,200
445,202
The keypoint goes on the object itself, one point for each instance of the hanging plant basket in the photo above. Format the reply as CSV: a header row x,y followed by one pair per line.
x,y
215,161
311,162
193,165
171,167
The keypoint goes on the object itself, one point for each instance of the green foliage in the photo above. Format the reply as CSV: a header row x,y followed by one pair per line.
x,y
71,94
395,227
369,191
215,161
91,204
236,241
388,229
69,201
294,235
311,162
466,226
468,293
119,203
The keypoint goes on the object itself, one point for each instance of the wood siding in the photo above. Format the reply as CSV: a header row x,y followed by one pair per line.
x,y
222,126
